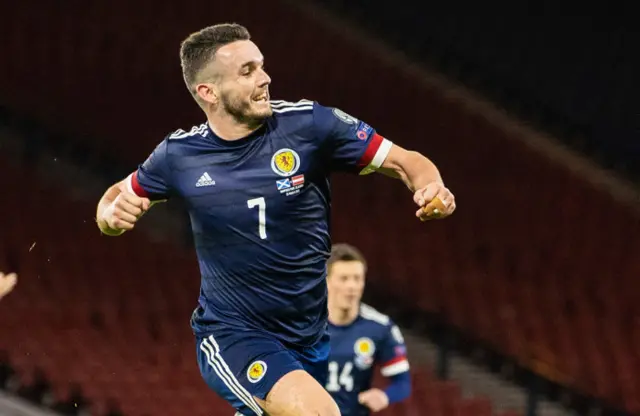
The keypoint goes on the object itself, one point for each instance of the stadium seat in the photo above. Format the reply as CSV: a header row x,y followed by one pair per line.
x,y
536,262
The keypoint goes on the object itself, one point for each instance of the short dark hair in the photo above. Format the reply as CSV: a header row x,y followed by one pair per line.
x,y
197,50
345,252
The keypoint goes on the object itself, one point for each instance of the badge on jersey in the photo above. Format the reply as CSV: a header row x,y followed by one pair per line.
x,y
285,162
290,186
256,371
364,131
344,117
364,349
400,350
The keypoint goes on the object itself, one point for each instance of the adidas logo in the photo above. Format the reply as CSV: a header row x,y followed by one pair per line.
x,y
205,180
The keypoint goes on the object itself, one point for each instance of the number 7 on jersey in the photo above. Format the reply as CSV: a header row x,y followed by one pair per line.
x,y
262,216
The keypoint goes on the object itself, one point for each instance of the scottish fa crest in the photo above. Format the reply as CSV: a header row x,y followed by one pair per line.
x,y
365,350
285,162
256,371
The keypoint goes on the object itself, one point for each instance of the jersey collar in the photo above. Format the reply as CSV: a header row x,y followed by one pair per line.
x,y
238,142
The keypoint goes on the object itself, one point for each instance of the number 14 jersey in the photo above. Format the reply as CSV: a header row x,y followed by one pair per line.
x,y
372,341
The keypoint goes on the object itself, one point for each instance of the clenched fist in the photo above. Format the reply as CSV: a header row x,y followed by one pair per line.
x,y
125,210
374,399
435,202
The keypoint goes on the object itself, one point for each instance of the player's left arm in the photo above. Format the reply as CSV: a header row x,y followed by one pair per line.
x,y
354,146
423,178
394,366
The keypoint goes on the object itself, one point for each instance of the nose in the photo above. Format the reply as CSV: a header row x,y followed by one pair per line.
x,y
264,79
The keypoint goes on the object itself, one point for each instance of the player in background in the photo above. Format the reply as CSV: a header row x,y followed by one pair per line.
x,y
361,339
255,180
7,283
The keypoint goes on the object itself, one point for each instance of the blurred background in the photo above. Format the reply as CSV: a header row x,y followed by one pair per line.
x,y
525,302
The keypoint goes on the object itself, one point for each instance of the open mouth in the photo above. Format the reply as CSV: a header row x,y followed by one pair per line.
x,y
262,98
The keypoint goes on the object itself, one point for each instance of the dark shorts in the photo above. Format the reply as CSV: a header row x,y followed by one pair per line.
x,y
239,365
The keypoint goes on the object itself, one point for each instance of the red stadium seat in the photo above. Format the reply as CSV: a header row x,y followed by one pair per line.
x,y
535,262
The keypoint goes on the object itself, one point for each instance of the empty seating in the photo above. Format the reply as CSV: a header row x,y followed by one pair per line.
x,y
535,261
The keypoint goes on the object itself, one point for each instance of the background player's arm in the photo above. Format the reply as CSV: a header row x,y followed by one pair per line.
x,y
395,367
399,389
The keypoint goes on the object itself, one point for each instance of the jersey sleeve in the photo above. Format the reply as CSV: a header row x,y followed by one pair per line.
x,y
350,144
151,179
393,353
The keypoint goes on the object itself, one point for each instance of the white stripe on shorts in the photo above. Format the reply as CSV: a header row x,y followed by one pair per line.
x,y
212,351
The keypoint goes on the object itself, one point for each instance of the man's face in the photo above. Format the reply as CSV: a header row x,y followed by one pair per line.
x,y
345,283
243,84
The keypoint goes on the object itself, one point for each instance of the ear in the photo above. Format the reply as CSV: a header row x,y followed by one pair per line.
x,y
208,92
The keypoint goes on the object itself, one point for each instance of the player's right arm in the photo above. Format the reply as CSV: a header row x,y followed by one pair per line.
x,y
119,210
126,201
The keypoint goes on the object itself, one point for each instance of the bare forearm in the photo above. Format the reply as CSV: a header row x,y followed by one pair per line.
x,y
418,171
414,169
423,178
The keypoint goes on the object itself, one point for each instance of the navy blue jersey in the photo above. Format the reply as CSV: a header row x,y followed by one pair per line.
x,y
371,341
260,212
